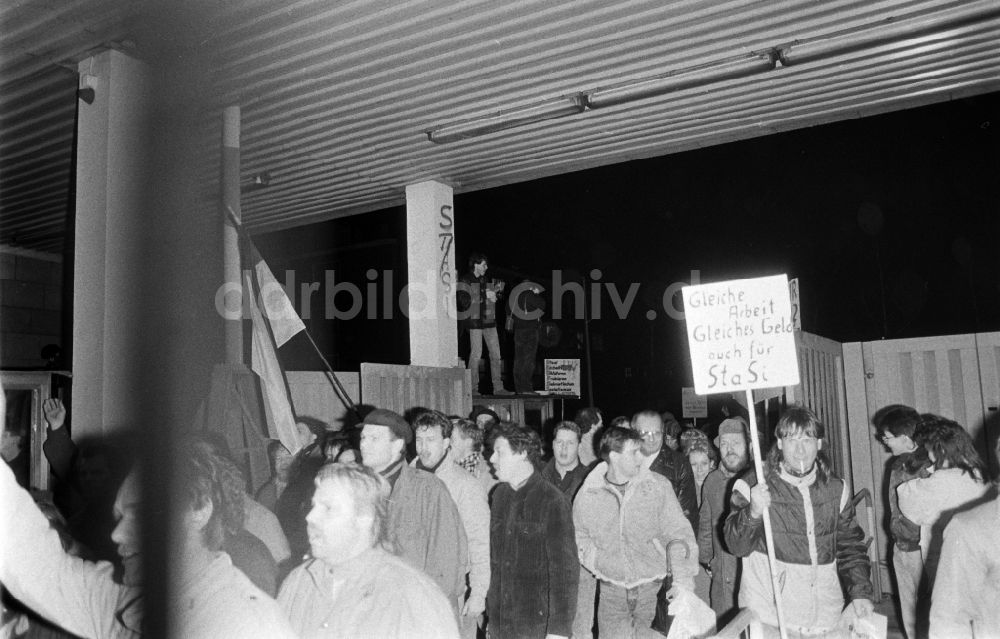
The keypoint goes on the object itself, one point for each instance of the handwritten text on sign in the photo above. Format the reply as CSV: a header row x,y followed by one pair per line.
x,y
562,376
741,335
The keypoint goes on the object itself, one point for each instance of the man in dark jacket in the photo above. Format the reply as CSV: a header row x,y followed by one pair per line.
x,y
819,547
668,462
894,427
423,523
732,443
564,470
534,565
476,302
527,306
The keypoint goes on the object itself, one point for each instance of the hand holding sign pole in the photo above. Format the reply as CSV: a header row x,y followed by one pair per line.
x,y
741,337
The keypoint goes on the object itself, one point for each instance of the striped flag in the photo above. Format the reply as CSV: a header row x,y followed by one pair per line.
x,y
274,323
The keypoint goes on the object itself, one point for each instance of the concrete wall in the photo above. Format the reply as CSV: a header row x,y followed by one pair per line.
x,y
30,306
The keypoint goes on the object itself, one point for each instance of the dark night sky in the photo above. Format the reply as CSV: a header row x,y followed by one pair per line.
x,y
913,195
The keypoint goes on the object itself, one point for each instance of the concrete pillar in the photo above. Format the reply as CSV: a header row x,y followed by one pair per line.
x,y
108,263
430,253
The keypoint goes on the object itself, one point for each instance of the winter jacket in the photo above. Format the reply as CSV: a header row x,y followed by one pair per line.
x,y
622,538
675,466
473,304
569,484
905,533
966,598
818,546
470,499
535,572
527,310
931,502
372,595
425,528
715,498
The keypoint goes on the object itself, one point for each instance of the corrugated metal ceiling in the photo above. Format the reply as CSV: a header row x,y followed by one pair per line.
x,y
336,96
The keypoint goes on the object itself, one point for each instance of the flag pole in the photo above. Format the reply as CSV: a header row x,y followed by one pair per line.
x,y
766,515
341,392
230,231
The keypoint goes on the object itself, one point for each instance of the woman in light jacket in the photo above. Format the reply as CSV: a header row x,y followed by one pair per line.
x,y
956,483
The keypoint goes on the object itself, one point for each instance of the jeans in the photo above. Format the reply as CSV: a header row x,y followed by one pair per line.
x,y
627,612
908,568
476,337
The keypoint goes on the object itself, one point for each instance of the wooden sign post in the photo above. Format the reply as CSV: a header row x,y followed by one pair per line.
x,y
741,336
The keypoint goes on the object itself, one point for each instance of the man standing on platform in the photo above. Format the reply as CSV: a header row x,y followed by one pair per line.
x,y
476,301
713,554
626,517
564,470
527,306
433,431
668,462
423,524
533,587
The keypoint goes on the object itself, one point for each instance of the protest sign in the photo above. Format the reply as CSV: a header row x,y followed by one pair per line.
x,y
741,335
562,376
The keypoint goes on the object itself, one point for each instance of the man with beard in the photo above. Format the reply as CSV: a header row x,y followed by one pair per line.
x,y
819,547
722,565
354,587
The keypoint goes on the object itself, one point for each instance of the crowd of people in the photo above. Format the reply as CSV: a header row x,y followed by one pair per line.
x,y
434,525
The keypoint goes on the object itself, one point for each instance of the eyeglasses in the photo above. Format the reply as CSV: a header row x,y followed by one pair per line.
x,y
648,434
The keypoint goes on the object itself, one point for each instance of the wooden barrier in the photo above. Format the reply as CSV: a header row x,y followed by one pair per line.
x,y
400,388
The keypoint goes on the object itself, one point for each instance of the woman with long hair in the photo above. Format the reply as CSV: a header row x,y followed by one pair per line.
x,y
957,482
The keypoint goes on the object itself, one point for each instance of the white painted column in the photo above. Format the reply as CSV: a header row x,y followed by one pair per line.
x,y
430,253
108,264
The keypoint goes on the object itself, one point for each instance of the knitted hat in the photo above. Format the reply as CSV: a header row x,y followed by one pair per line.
x,y
393,421
731,425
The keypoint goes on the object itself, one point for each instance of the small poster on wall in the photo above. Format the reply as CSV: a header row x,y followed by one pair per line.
x,y
562,377
694,406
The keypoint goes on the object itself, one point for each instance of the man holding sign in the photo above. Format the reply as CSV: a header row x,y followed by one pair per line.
x,y
796,530
818,543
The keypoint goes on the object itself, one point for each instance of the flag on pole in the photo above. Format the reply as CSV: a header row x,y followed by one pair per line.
x,y
274,323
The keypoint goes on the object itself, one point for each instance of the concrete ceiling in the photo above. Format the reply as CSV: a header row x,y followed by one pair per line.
x,y
336,97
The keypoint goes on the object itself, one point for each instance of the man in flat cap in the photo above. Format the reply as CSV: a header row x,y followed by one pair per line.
x,y
527,306
733,444
424,525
